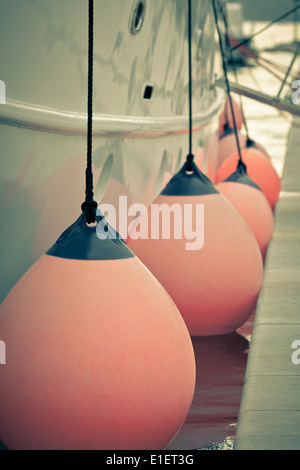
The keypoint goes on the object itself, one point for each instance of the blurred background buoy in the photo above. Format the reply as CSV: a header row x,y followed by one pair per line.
x,y
256,145
259,169
226,116
85,330
228,144
215,286
251,204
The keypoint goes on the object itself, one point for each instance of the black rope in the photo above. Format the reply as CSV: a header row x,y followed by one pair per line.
x,y
90,206
226,126
227,81
277,20
235,76
190,157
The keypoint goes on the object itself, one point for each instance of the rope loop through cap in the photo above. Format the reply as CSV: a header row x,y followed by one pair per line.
x,y
90,208
241,168
189,162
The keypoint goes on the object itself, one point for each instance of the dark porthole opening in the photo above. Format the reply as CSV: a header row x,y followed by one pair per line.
x,y
138,17
148,92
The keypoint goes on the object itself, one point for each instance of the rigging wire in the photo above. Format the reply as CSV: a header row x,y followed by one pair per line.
x,y
277,20
289,69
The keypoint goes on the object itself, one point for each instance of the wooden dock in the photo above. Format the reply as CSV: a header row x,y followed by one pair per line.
x,y
269,417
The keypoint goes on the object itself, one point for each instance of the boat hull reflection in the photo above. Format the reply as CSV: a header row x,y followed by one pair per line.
x,y
220,368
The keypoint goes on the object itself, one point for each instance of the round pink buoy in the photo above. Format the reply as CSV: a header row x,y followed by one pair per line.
x,y
202,251
228,144
99,356
251,204
259,169
226,116
257,146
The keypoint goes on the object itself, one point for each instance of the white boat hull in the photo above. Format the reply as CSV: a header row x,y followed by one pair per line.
x,y
138,143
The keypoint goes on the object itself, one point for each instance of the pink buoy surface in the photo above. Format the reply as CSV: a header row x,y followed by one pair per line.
x,y
98,358
226,115
228,145
253,206
259,169
215,287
